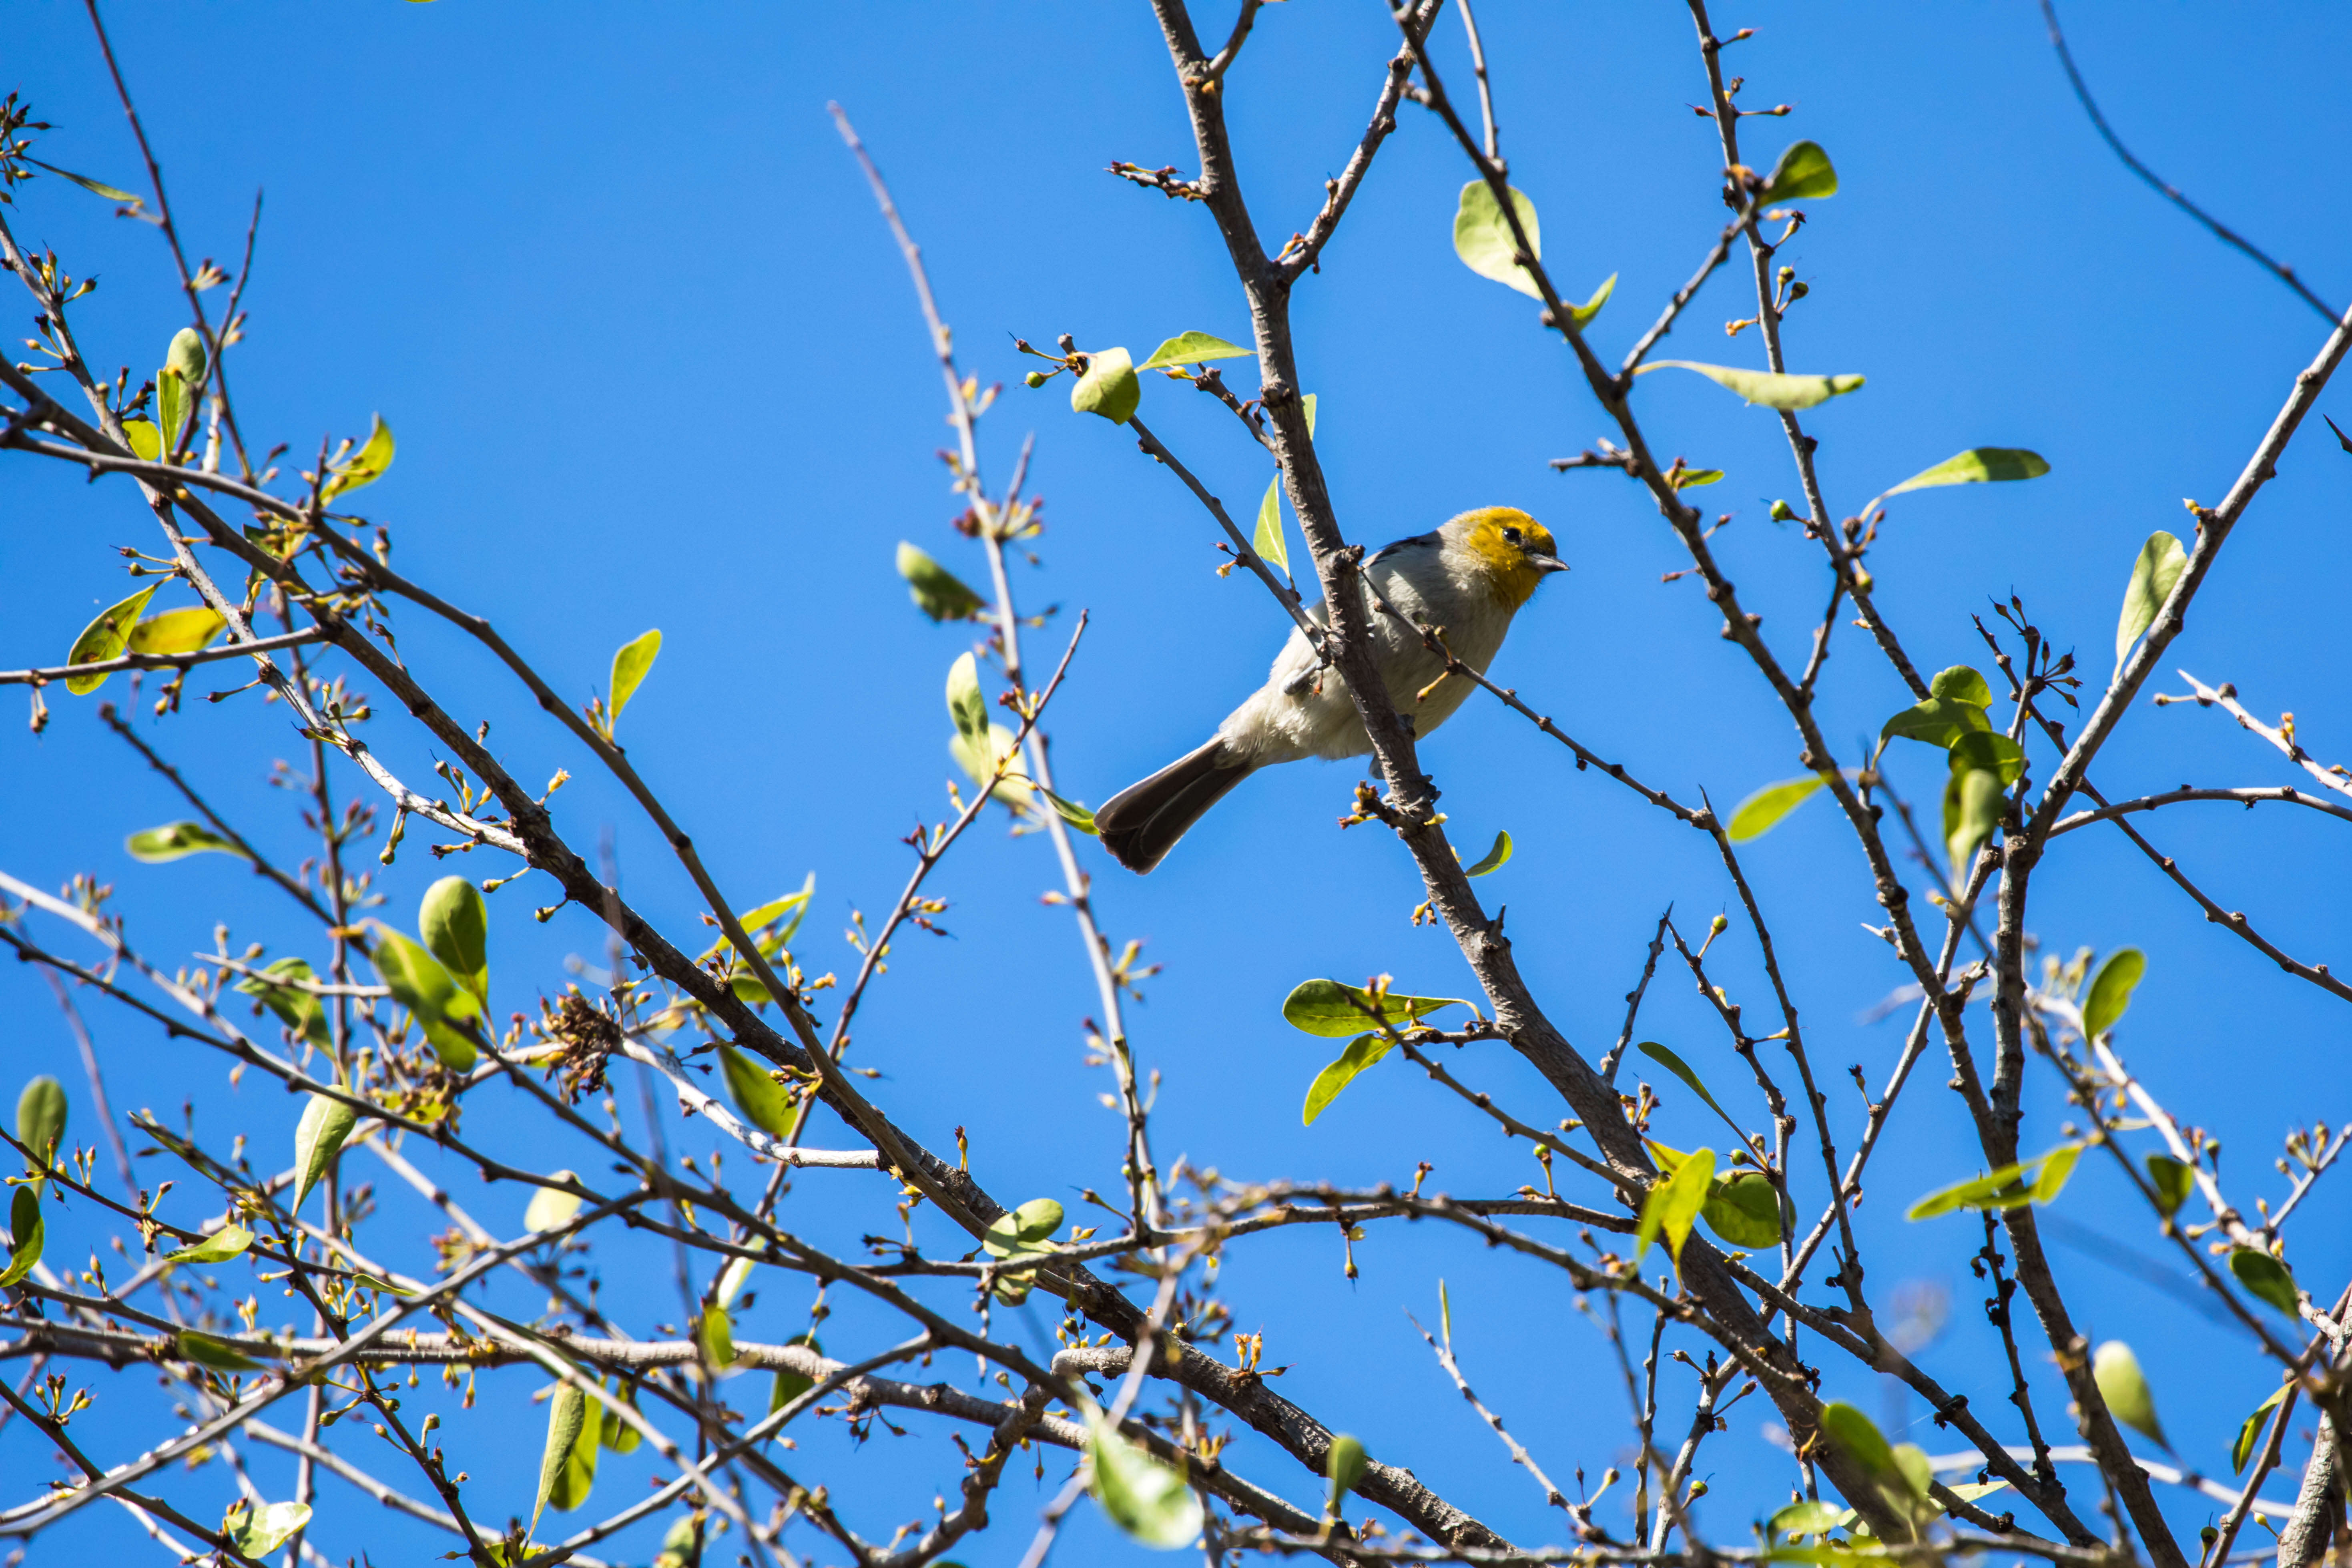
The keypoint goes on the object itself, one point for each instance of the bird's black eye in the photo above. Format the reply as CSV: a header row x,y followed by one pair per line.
x,y
1511,536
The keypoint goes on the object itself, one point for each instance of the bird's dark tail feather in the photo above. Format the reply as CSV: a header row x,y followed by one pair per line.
x,y
1141,822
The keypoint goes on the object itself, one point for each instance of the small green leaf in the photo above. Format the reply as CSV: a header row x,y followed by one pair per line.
x,y
1803,173
2124,1388
146,441
445,1010
631,664
1760,812
216,1354
2244,1448
2266,1278
966,705
611,1432
2173,1182
568,1412
1961,683
1108,387
981,764
318,1138
1765,388
1591,308
1343,1467
1482,237
1071,812
25,1231
227,1242
734,1277
1855,1433
366,465
1990,750
456,930
551,1208
1023,1229
41,1119
174,841
297,1009
1809,1518
1973,803
1743,1209
105,638
790,1384
762,1100
1363,1052
111,193
187,356
714,1336
262,1530
1977,466
1691,478
172,407
1191,348
936,592
175,631
2111,990
1326,1007
2035,1180
1143,1497
1681,1070
1495,860
1673,1203
2154,572
1269,540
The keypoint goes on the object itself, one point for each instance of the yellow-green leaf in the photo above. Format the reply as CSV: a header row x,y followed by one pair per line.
x,y
982,762
2035,1180
263,1529
1761,812
177,631
1071,812
318,1138
2155,571
1027,1228
1482,239
1147,1499
936,592
1343,1467
1681,1070
105,638
1765,388
714,1336
2124,1388
1591,308
445,1010
1859,1436
456,930
1674,1202
1363,1052
966,705
172,407
1802,173
296,1008
41,1120
568,1420
146,441
1495,860
1108,387
25,1232
1329,1008
1691,478
790,1384
175,840
1191,348
758,1097
2173,1182
1269,540
366,465
551,1208
187,355
2111,990
630,665
2244,1448
216,1354
1743,1209
2266,1278
1973,803
227,1242
612,1431
1978,465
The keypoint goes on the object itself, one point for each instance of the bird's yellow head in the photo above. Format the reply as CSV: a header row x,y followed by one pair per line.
x,y
1509,551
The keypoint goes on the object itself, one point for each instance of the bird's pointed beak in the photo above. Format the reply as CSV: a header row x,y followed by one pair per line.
x,y
1546,564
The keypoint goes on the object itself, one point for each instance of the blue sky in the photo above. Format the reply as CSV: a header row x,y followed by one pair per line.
x,y
653,362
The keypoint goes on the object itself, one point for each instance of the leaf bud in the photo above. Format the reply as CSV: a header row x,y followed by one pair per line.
x,y
1034,378
1718,925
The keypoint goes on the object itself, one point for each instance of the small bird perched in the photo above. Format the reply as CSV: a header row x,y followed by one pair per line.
x,y
1469,577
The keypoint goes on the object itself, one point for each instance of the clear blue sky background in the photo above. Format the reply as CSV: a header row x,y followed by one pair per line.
x,y
651,362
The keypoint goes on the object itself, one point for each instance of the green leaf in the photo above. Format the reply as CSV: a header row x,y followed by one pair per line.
x,y
611,1432
175,631
1855,1433
2173,1182
366,465
1591,308
172,407
1071,812
714,1336
966,705
1743,1209
568,1411
187,355
1803,173
25,1231
1681,1070
1942,719
2035,1180
105,638
1021,1230
1108,387
2111,990
262,1530
1327,1008
1673,1203
790,1384
216,1354
1495,860
297,1009
2155,569
2244,1448
551,1208
1809,1518
1343,1466
1990,750
1270,542
1760,812
2266,1278
1363,1052
1482,237
174,841
1691,478
1766,388
446,1011
229,1241
1977,466
318,1138
1972,808
2124,1388
1143,1497
734,1277
936,592
981,764
1192,348
762,1100
456,930
41,1119
111,193
631,664
146,442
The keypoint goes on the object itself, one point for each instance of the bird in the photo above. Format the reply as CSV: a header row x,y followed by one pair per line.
x,y
1469,577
